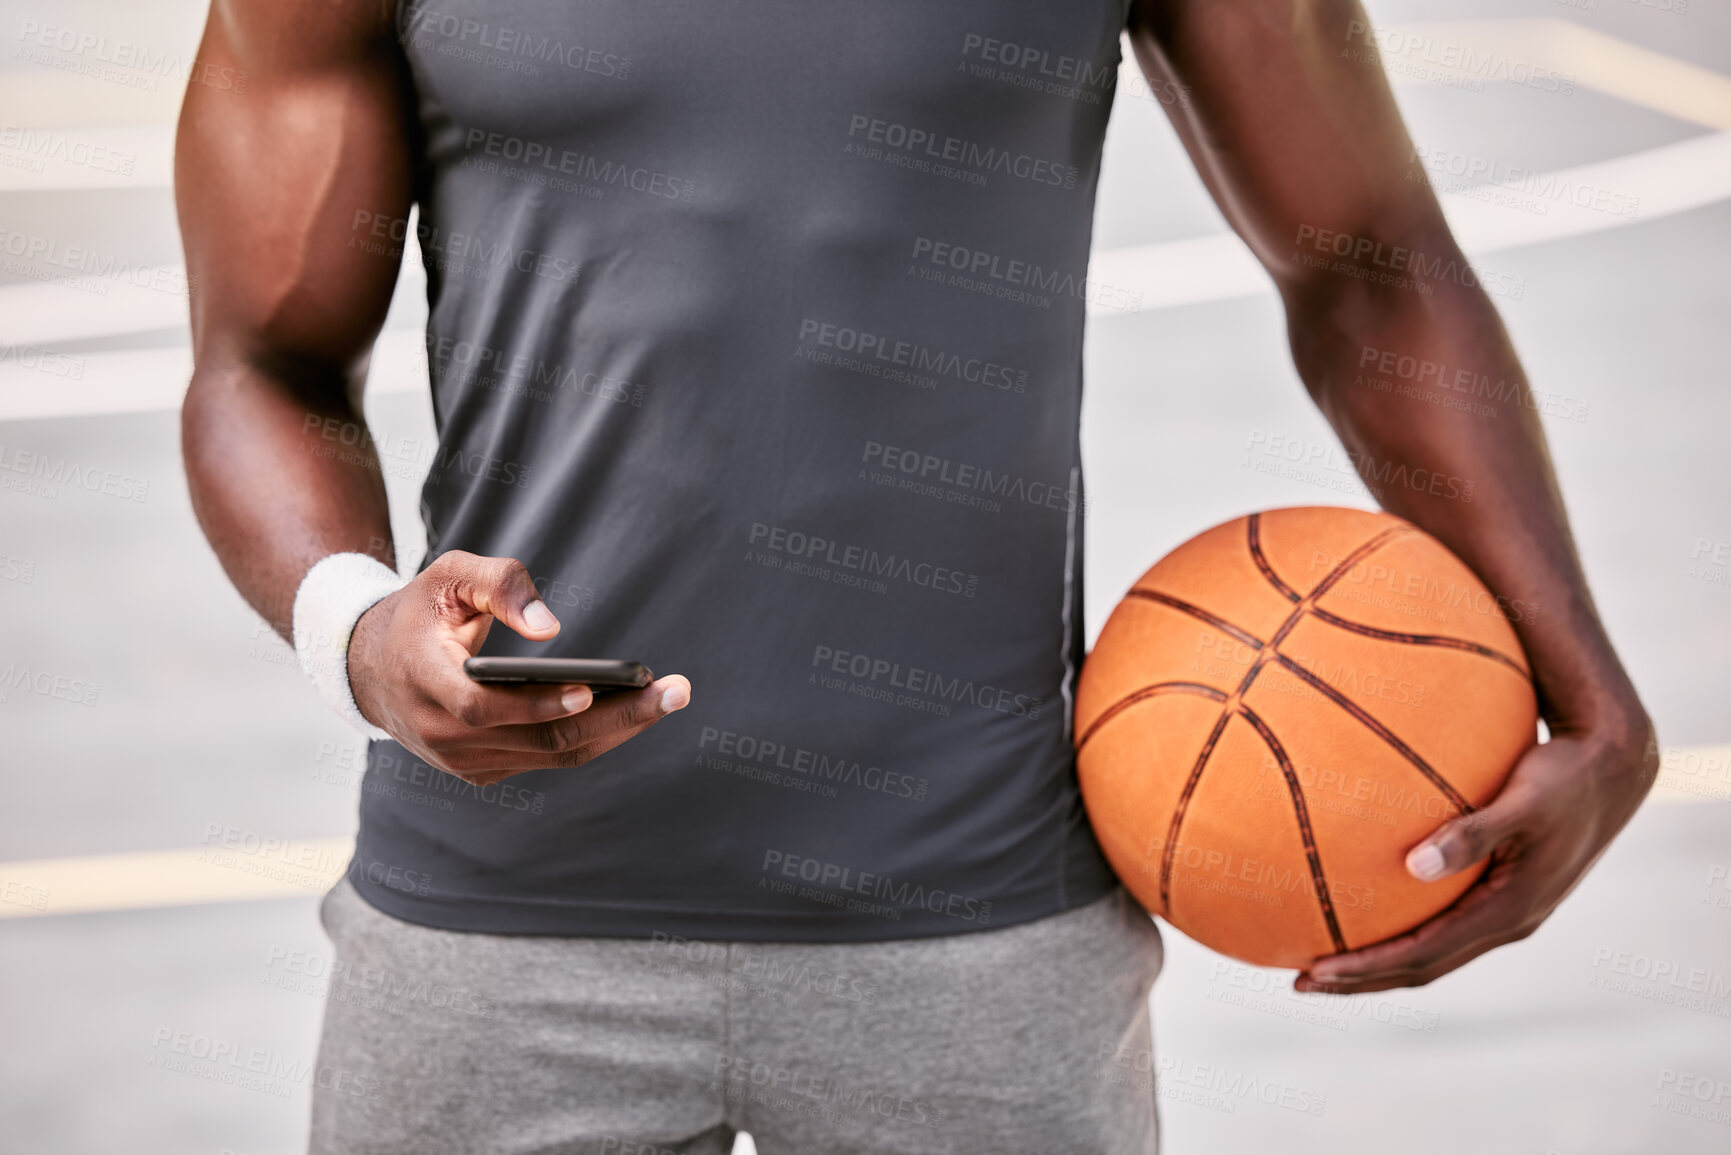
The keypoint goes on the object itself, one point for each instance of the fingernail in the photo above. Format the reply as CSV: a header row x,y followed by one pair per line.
x,y
576,699
674,697
538,617
1426,863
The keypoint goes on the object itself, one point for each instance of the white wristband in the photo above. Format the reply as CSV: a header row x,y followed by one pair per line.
x,y
331,599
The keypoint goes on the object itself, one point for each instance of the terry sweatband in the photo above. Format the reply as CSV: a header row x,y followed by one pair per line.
x,y
331,599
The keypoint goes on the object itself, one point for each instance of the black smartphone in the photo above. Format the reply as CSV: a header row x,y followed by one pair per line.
x,y
596,673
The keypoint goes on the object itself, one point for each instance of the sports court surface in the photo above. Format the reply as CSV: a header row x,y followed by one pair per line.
x,y
177,797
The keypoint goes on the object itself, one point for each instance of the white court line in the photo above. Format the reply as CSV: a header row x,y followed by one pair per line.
x,y
1671,179
149,380
1661,182
262,867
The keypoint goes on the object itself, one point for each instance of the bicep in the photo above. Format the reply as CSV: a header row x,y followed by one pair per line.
x,y
293,192
1288,118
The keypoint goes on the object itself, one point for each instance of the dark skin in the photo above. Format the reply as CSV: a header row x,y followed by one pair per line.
x,y
1288,135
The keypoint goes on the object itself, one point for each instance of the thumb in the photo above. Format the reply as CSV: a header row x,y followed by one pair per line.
x,y
1460,842
502,587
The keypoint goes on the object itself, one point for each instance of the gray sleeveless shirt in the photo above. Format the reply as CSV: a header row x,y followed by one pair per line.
x,y
756,334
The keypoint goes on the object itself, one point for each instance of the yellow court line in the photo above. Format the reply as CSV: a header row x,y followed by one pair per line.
x,y
245,868
240,869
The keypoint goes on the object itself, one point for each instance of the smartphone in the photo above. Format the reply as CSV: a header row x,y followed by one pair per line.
x,y
597,673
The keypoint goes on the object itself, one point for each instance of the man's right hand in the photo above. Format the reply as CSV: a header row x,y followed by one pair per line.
x,y
406,670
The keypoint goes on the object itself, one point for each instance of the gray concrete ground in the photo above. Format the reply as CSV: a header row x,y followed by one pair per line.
x,y
1565,1043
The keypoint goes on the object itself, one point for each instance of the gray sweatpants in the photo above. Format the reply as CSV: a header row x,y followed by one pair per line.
x,y
1032,1038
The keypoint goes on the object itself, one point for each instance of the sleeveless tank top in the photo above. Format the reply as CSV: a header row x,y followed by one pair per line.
x,y
755,332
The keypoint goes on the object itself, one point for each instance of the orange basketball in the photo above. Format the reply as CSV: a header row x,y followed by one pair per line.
x,y
1279,710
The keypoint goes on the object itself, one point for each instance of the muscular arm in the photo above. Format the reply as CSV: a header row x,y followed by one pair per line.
x,y
277,186
1300,142
268,180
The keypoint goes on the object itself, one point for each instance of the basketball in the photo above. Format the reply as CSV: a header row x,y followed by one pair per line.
x,y
1279,710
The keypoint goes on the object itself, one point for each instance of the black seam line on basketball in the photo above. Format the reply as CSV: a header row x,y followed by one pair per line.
x,y
1167,855
1185,607
1318,879
1146,692
1244,684
1423,640
1262,562
1307,605
1355,557
1381,731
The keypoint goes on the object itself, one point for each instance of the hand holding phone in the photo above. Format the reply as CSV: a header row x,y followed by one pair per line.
x,y
407,658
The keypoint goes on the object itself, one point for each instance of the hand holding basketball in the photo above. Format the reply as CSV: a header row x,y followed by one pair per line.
x,y
1293,737
1562,804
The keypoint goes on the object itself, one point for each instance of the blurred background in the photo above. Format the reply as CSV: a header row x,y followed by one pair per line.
x,y
177,797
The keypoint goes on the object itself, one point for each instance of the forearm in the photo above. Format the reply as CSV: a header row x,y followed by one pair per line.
x,y
1477,476
282,473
